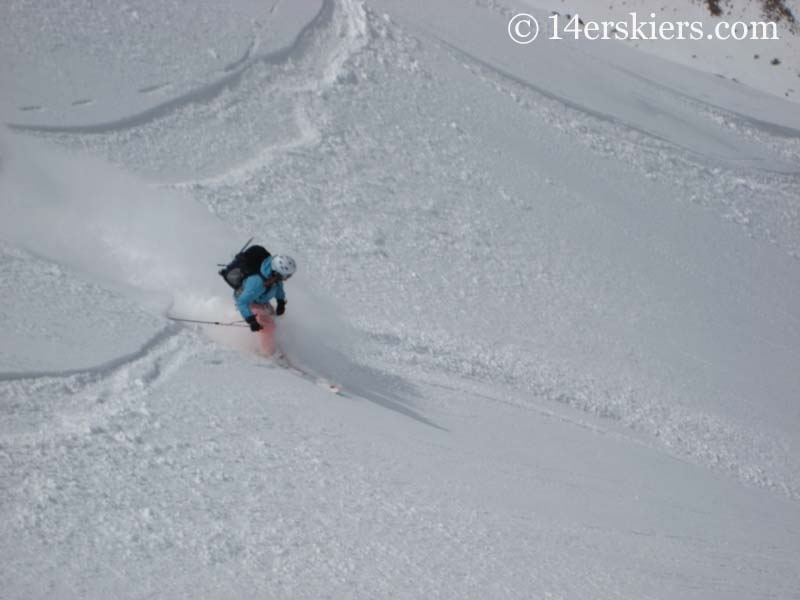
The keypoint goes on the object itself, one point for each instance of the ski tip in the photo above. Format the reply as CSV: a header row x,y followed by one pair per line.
x,y
331,387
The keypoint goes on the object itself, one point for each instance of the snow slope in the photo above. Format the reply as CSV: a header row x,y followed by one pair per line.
x,y
123,64
768,65
557,284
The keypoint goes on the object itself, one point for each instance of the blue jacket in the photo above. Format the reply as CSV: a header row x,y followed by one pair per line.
x,y
254,291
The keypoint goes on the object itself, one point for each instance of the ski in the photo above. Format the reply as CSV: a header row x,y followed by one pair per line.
x,y
284,362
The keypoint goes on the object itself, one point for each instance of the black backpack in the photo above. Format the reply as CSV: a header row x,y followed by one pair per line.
x,y
246,263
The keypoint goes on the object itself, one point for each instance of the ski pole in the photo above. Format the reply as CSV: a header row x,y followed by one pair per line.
x,y
231,324
246,244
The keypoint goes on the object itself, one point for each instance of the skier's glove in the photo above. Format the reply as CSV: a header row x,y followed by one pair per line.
x,y
253,322
281,307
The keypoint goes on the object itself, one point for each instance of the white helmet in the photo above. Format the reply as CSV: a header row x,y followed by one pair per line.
x,y
283,265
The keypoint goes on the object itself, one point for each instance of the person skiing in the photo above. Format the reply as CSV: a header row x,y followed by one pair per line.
x,y
254,296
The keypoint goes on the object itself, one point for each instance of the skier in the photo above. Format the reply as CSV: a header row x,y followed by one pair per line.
x,y
254,296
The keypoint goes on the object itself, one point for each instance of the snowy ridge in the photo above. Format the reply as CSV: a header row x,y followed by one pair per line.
x,y
735,196
354,29
346,25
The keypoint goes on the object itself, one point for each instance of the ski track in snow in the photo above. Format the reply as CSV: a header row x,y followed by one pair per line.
x,y
82,400
305,69
99,370
230,76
